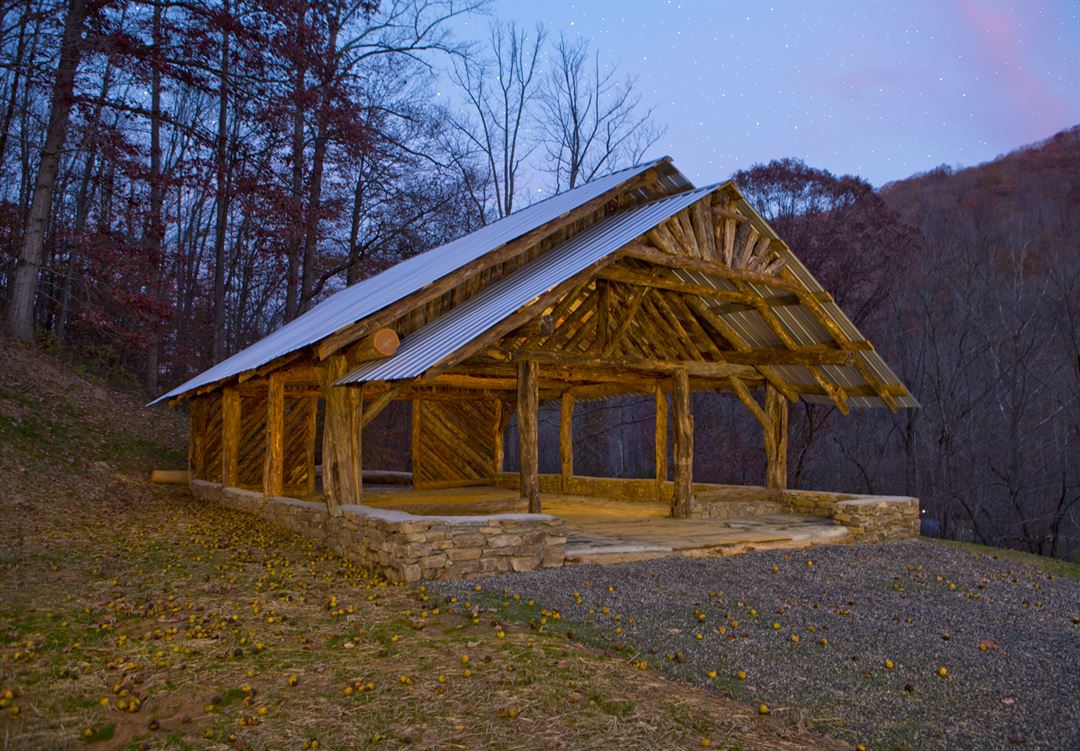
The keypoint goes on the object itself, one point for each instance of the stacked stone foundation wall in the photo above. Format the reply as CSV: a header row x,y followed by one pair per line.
x,y
407,547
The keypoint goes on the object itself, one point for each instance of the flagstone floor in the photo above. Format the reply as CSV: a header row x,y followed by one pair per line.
x,y
603,530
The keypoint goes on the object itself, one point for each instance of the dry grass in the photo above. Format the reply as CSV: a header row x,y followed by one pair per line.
x,y
113,591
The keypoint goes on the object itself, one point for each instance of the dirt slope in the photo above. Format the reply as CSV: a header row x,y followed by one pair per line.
x,y
132,616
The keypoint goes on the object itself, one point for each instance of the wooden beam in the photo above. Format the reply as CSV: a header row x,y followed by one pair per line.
x,y
739,343
262,370
416,443
274,465
527,434
750,402
603,314
668,367
813,303
375,346
230,436
682,498
379,403
720,212
627,319
566,441
652,255
862,390
539,327
661,461
497,459
311,436
776,439
647,279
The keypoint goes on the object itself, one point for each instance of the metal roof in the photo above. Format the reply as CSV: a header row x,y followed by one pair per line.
x,y
413,274
445,335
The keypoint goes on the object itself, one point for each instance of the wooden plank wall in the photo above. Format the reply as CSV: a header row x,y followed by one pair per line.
x,y
453,443
299,443
212,471
252,441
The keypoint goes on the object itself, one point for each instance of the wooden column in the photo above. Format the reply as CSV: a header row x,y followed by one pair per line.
x,y
197,419
312,428
566,441
683,496
230,436
776,439
274,466
497,440
341,438
528,399
417,449
661,442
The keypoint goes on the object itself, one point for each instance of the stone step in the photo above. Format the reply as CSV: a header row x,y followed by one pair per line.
x,y
723,509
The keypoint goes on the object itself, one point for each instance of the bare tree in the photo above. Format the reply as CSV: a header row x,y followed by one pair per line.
x,y
20,312
592,122
500,89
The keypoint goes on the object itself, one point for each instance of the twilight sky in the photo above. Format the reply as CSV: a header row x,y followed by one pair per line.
x,y
879,89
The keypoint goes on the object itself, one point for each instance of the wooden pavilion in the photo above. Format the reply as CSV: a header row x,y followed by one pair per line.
x,y
634,283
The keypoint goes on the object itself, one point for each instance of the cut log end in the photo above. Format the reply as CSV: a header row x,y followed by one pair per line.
x,y
169,476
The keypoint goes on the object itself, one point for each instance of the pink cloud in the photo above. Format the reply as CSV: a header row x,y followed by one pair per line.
x,y
997,35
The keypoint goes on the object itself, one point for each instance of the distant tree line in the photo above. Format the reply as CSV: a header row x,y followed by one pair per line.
x,y
179,178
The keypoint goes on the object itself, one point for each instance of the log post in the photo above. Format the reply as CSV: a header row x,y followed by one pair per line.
x,y
661,442
497,440
274,466
354,466
776,439
230,436
197,419
341,438
417,448
528,398
683,496
312,429
566,441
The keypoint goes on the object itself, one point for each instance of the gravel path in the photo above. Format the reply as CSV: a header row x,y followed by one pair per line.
x,y
1007,634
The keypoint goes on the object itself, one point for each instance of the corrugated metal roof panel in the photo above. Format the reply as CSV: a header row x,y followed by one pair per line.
x,y
411,275
442,337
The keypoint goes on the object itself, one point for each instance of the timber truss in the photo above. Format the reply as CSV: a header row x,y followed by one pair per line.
x,y
706,299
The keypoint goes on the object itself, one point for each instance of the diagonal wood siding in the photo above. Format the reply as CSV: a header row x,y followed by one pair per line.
x,y
453,442
252,441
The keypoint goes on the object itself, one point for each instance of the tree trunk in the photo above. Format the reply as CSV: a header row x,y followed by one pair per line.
x,y
20,312
16,80
222,195
318,162
296,245
154,224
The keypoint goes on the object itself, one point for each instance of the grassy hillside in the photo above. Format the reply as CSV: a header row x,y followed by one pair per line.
x,y
132,616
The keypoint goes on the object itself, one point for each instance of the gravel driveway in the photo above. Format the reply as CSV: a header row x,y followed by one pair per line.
x,y
813,629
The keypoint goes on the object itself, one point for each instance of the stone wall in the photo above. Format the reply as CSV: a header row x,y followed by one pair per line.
x,y
879,518
407,547
871,518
